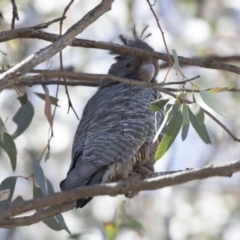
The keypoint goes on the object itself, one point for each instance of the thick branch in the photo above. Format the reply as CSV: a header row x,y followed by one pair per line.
x,y
38,216
7,79
200,62
113,189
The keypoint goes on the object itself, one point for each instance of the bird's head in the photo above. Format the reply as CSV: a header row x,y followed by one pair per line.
x,y
131,66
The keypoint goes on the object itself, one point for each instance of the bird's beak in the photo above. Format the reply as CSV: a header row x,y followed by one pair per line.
x,y
147,72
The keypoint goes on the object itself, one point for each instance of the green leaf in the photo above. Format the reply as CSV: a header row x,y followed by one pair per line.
x,y
2,130
52,221
8,183
53,224
197,112
175,57
61,221
193,97
200,129
40,176
50,188
166,108
213,103
23,99
171,110
159,104
54,101
185,122
173,128
24,116
10,148
59,217
37,193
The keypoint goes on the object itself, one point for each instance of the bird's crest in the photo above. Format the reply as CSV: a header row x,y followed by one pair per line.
x,y
135,39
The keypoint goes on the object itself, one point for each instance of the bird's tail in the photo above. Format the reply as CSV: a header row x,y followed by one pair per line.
x,y
74,181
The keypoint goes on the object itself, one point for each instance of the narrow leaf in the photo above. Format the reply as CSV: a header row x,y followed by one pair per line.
x,y
2,130
53,224
50,222
47,108
37,193
50,188
185,122
61,221
198,112
8,184
220,89
173,128
59,217
213,103
170,111
23,99
23,117
200,129
40,176
175,57
56,223
10,148
159,104
54,101
193,97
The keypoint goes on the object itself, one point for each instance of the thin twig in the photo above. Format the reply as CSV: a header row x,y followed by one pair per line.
x,y
181,82
46,24
14,14
170,62
70,105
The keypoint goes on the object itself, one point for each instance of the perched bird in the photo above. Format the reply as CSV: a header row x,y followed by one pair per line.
x,y
114,138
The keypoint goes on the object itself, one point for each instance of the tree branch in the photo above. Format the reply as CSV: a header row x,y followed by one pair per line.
x,y
200,62
38,216
8,79
112,189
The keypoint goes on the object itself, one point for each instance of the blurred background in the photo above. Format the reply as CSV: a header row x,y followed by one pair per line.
x,y
208,209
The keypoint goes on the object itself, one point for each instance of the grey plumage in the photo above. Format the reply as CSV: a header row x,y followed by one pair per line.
x,y
114,137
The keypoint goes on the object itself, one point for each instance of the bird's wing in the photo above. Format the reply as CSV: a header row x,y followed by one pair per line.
x,y
115,123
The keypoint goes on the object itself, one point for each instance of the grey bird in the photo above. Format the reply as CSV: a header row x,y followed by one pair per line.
x,y
114,139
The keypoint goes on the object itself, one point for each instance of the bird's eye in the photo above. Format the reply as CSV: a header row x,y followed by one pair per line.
x,y
128,65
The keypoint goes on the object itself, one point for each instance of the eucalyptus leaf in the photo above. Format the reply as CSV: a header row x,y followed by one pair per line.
x,y
159,104
40,176
175,57
171,110
185,122
2,130
10,148
213,103
23,99
200,129
23,117
54,100
172,130
197,112
53,224
8,183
